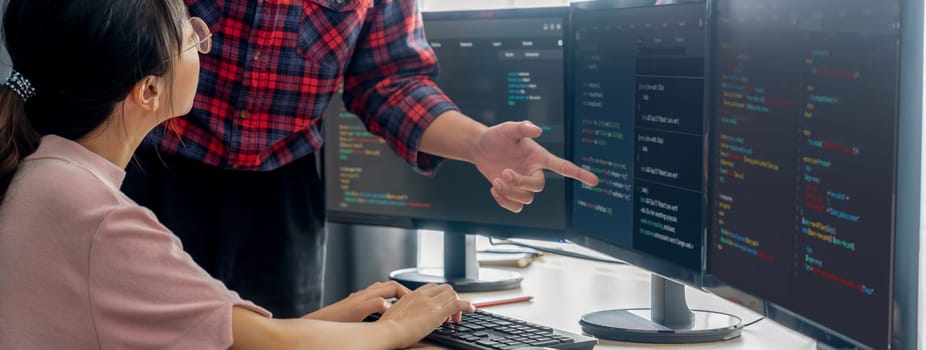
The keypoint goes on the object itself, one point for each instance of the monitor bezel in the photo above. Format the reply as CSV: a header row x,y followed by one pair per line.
x,y
467,227
907,203
649,262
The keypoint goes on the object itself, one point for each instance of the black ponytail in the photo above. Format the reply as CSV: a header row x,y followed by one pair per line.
x,y
82,57
17,137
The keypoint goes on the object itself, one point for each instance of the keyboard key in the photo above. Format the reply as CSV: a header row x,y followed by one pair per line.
x,y
486,342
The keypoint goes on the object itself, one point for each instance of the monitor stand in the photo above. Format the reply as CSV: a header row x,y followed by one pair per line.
x,y
461,269
669,321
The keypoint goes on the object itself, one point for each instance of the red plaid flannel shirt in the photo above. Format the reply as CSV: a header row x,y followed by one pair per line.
x,y
275,64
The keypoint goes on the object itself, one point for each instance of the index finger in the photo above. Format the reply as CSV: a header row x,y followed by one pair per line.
x,y
567,169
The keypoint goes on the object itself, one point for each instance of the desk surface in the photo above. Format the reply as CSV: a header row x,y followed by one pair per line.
x,y
566,288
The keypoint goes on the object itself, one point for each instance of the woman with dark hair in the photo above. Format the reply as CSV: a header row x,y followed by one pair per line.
x,y
82,265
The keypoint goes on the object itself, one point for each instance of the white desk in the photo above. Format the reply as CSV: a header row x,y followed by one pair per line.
x,y
566,288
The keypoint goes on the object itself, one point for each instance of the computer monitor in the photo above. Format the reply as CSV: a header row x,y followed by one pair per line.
x,y
815,164
638,123
497,65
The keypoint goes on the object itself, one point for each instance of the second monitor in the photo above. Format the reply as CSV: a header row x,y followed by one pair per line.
x,y
639,125
638,105
497,66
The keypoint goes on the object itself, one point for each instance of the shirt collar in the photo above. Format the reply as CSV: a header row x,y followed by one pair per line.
x,y
56,147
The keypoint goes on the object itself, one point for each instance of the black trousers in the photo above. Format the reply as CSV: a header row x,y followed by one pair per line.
x,y
261,233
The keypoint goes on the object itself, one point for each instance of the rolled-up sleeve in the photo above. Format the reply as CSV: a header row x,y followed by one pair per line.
x,y
390,84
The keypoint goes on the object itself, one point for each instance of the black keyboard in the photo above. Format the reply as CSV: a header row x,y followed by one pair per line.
x,y
487,331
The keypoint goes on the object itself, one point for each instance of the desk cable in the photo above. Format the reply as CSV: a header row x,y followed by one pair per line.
x,y
753,322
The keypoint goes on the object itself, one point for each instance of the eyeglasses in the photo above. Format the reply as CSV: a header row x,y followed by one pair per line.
x,y
203,36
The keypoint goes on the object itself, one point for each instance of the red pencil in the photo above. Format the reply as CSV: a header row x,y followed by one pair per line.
x,y
502,302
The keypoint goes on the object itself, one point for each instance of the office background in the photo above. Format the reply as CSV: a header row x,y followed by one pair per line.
x,y
359,255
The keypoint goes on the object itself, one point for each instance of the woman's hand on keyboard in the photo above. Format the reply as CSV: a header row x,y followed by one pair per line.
x,y
417,313
361,304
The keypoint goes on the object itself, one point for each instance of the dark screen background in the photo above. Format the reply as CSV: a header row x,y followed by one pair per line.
x,y
639,125
495,70
804,155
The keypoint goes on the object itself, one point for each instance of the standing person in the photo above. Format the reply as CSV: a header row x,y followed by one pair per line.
x,y
83,266
236,179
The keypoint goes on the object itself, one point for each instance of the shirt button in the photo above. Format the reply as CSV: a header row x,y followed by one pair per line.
x,y
339,1
255,55
243,114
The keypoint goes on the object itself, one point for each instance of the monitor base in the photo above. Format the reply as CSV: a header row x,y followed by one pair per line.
x,y
668,321
487,280
636,325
